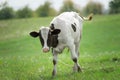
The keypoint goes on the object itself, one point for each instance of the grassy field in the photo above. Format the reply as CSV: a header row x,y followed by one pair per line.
x,y
21,57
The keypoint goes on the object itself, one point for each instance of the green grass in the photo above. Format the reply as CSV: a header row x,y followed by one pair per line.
x,y
21,57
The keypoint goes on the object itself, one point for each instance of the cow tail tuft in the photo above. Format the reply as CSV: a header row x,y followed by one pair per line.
x,y
88,18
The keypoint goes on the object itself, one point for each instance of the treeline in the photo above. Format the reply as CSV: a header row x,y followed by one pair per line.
x,y
7,12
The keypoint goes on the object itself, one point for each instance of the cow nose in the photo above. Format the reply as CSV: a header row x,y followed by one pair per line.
x,y
45,50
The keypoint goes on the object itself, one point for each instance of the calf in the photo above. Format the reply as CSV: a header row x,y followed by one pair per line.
x,y
65,31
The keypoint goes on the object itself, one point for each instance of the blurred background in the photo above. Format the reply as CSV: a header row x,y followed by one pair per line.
x,y
44,8
21,56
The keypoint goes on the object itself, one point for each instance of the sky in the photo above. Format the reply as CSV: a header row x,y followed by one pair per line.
x,y
34,4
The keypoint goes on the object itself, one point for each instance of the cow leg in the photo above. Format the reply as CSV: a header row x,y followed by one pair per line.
x,y
76,65
74,56
77,49
54,63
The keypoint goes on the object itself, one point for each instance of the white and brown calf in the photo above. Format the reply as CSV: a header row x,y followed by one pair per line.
x,y
65,31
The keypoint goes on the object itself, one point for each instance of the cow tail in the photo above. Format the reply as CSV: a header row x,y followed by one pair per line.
x,y
88,18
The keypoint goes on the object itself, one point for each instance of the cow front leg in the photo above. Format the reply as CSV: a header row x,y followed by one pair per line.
x,y
54,63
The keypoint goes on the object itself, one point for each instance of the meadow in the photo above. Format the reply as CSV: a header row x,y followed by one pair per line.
x,y
21,57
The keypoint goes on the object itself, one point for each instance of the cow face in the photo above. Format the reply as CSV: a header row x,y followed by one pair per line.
x,y
48,37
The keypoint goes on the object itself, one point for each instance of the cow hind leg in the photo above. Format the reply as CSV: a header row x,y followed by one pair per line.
x,y
76,65
74,57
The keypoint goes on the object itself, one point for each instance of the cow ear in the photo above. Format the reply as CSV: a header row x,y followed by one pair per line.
x,y
55,31
34,34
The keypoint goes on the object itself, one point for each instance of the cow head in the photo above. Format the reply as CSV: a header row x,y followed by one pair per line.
x,y
48,37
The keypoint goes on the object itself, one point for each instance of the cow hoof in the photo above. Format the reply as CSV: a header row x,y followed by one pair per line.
x,y
79,69
75,69
54,73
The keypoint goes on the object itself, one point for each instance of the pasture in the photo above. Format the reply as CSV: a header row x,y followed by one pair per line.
x,y
21,57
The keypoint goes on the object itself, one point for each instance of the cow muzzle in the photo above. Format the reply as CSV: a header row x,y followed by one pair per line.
x,y
45,50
